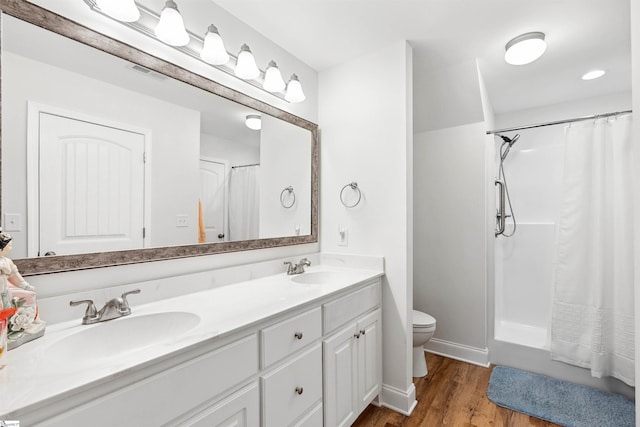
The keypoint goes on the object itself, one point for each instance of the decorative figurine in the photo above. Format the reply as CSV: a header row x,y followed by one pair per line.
x,y
15,292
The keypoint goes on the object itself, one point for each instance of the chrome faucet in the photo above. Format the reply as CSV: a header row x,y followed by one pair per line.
x,y
298,268
114,308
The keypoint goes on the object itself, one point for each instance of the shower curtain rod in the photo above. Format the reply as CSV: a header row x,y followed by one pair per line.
x,y
245,166
559,122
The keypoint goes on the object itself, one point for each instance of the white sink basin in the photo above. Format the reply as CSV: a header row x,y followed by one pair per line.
x,y
115,337
319,277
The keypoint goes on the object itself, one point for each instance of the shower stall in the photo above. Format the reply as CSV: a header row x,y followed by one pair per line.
x,y
531,173
524,255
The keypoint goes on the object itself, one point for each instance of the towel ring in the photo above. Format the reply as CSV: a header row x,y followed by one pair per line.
x,y
354,186
293,202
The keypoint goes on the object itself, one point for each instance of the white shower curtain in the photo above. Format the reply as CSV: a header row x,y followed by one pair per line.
x,y
244,209
592,323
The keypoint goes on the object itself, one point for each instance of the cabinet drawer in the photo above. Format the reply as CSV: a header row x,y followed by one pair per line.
x,y
340,311
292,389
288,336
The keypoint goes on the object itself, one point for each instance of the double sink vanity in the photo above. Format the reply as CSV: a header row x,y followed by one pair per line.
x,y
281,350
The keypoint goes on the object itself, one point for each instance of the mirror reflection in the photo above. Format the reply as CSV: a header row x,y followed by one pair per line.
x,y
100,154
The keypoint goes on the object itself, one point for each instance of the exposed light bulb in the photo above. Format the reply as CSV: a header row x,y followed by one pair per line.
x,y
253,121
273,81
122,10
213,50
594,74
294,90
246,67
525,48
171,29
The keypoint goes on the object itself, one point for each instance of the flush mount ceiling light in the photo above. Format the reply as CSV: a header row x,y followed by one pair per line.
x,y
246,67
253,121
525,48
294,90
171,29
593,74
122,10
213,51
273,81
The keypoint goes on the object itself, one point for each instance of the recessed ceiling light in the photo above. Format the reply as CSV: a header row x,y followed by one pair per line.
x,y
525,48
594,74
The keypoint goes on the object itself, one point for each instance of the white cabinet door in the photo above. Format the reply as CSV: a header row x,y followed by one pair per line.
x,y
340,377
369,359
352,369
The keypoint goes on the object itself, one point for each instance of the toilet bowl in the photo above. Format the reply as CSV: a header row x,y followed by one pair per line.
x,y
423,328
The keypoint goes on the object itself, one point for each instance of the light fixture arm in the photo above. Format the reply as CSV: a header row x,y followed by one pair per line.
x,y
148,21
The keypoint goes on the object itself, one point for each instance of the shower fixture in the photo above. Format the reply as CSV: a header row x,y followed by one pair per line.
x,y
503,194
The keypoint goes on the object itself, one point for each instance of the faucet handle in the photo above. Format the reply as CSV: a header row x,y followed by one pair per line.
x,y
290,266
125,303
91,308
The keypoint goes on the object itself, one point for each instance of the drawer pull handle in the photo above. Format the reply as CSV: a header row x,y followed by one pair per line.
x,y
299,390
298,335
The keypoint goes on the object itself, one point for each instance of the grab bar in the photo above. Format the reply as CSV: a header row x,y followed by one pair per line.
x,y
500,214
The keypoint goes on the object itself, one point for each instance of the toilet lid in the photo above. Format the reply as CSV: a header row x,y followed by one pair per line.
x,y
422,319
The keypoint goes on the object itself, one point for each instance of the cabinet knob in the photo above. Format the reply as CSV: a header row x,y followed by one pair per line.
x,y
299,390
357,335
363,331
298,335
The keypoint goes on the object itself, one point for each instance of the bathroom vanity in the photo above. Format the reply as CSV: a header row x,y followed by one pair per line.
x,y
300,350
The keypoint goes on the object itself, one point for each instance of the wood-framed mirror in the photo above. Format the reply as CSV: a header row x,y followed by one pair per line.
x,y
172,216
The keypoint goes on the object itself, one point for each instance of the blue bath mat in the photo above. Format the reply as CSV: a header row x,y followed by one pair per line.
x,y
558,401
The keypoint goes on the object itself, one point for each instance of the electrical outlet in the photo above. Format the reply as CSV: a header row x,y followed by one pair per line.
x,y
343,236
182,220
12,222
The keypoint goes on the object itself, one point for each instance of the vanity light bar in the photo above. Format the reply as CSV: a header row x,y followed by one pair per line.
x,y
146,25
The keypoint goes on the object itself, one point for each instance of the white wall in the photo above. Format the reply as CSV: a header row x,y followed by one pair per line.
x,y
281,148
454,97
367,138
174,179
449,270
236,153
635,84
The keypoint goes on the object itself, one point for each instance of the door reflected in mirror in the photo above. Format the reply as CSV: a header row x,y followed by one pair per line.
x,y
104,155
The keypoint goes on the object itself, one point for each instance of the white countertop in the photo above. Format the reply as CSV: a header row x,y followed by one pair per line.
x,y
46,369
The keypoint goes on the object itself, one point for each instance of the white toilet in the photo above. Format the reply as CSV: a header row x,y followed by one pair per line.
x,y
423,328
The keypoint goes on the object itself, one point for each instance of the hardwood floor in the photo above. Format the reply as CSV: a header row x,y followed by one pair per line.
x,y
453,394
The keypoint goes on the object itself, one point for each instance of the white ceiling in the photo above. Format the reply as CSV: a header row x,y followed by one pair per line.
x,y
581,35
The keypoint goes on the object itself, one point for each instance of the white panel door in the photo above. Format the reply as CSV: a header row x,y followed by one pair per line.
x,y
91,195
212,197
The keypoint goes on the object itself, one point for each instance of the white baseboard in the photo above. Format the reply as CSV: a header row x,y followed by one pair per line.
x,y
476,356
397,400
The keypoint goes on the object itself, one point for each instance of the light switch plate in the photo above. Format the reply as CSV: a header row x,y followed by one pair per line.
x,y
182,220
343,236
12,222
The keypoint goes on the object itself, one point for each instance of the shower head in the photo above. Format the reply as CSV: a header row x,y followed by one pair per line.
x,y
508,140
